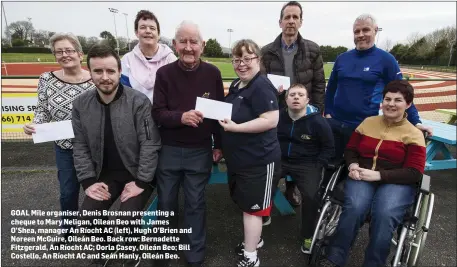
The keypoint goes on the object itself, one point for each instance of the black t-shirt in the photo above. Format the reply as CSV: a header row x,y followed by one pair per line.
x,y
243,150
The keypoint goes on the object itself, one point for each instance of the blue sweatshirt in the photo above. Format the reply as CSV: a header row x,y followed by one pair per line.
x,y
354,90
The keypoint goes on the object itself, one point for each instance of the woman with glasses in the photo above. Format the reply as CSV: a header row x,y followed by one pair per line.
x,y
250,146
56,92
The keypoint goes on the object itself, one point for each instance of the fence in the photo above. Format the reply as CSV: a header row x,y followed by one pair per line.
x,y
18,106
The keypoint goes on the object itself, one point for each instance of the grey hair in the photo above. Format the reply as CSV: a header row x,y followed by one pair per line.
x,y
367,17
188,23
66,36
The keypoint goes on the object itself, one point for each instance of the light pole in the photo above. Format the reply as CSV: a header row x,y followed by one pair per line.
x,y
127,27
114,11
379,34
230,41
451,43
8,36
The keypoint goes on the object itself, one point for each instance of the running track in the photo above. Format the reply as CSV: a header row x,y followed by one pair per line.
x,y
429,95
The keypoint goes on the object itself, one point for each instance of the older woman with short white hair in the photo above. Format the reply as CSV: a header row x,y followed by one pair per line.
x,y
56,92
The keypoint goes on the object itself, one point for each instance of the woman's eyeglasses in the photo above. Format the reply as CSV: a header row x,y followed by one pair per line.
x,y
68,52
246,60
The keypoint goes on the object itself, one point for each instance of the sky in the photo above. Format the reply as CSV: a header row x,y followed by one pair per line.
x,y
326,23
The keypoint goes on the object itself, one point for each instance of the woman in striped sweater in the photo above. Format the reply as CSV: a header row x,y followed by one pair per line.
x,y
386,159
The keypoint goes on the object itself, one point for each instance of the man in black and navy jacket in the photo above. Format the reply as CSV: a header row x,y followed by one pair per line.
x,y
307,144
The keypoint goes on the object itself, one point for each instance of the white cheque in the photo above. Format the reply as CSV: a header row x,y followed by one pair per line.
x,y
213,109
53,131
278,80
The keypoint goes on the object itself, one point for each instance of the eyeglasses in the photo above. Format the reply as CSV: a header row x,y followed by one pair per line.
x,y
68,52
246,60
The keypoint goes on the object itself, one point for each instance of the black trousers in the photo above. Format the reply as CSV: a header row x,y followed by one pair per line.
x,y
307,178
191,168
116,182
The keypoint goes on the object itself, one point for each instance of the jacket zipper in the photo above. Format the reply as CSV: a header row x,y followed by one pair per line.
x,y
376,151
102,130
291,132
146,128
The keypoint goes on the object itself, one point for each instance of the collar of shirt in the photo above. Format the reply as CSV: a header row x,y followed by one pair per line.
x,y
290,47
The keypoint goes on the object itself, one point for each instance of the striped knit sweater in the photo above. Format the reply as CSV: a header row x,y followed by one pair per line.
x,y
397,150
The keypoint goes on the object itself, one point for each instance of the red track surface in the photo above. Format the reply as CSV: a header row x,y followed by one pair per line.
x,y
27,69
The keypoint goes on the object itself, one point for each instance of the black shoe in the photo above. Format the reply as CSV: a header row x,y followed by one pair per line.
x,y
131,263
244,261
266,220
195,264
239,249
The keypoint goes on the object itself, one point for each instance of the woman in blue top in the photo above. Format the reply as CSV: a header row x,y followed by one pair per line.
x,y
250,145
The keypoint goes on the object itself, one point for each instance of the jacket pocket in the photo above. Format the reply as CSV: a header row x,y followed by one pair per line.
x,y
146,129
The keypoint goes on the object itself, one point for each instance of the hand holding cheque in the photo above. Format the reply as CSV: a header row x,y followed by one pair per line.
x,y
280,82
216,110
51,131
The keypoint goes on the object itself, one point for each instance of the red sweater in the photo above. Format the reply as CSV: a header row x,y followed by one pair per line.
x,y
175,92
397,151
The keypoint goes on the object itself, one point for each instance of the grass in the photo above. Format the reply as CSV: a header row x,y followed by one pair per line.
x,y
224,64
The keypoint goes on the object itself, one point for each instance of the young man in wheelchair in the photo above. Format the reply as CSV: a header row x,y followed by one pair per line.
x,y
307,145
386,159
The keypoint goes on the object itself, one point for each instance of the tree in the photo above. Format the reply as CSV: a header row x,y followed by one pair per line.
x,y
387,45
123,43
20,30
40,38
399,51
108,39
213,49
91,41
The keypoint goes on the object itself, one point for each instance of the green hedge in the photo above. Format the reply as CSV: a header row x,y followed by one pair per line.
x,y
24,49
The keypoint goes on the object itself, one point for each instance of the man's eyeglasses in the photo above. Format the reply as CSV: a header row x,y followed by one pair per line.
x,y
246,60
68,52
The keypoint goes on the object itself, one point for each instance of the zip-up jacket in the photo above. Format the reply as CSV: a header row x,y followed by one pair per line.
x,y
396,150
139,72
354,90
306,140
308,67
135,134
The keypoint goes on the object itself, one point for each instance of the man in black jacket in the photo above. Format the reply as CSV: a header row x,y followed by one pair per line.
x,y
307,144
300,59
115,151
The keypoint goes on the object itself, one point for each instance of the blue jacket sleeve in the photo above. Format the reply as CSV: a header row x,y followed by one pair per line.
x,y
125,80
394,73
331,90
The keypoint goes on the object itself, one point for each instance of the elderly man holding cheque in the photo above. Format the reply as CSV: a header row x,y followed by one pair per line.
x,y
187,155
250,145
386,159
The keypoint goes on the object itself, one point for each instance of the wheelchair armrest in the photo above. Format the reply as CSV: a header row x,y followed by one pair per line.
x,y
425,184
333,164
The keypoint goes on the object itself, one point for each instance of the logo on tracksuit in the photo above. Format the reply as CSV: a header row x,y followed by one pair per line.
x,y
206,95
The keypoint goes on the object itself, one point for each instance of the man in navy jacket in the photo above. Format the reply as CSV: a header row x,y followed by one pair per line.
x,y
354,90
307,144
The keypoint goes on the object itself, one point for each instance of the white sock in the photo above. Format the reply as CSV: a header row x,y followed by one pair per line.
x,y
251,255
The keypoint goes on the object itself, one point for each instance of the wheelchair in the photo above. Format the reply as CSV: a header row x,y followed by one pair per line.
x,y
411,235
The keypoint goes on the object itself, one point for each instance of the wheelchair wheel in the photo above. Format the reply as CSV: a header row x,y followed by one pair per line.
x,y
423,225
332,223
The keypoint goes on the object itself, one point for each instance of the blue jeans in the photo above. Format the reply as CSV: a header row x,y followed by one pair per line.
x,y
341,133
69,185
387,203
